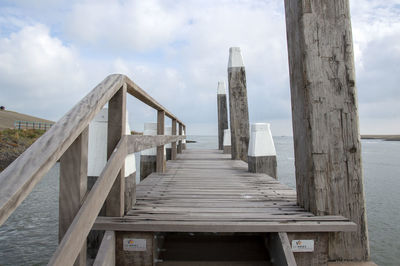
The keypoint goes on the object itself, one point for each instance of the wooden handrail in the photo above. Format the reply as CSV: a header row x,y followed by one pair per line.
x,y
18,180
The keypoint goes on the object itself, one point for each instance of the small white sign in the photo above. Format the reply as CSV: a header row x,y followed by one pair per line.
x,y
134,244
303,245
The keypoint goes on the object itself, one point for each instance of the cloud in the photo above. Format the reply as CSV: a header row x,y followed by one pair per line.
x,y
38,74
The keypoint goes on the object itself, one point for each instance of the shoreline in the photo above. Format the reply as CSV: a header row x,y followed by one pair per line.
x,y
382,137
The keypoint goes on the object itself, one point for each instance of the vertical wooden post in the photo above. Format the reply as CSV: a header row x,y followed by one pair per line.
x,y
325,119
116,129
239,111
73,186
180,142
160,149
222,113
173,146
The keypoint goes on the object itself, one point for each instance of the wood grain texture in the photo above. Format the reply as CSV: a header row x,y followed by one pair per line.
x,y
329,177
238,113
222,119
263,164
138,143
115,203
161,160
173,145
206,191
73,187
76,234
127,258
106,253
320,254
18,180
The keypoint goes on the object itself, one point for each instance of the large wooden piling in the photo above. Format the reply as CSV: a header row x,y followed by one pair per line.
x,y
160,149
222,113
238,108
325,119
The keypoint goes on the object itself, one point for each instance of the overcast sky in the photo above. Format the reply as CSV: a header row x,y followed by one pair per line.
x,y
52,53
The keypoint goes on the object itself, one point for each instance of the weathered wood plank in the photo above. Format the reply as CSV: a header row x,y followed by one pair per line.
x,y
76,234
161,160
106,253
138,143
116,130
222,107
73,187
325,118
18,180
179,150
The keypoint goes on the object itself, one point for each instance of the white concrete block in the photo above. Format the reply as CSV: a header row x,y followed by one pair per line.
x,y
168,131
97,151
235,57
183,133
151,130
221,87
227,137
261,142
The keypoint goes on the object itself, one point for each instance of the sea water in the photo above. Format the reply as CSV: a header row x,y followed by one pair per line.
x,y
30,235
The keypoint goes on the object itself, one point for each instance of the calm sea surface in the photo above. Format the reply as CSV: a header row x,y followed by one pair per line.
x,y
29,237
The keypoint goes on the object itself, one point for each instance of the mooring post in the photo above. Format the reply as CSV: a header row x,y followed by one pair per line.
x,y
168,131
262,154
184,140
173,145
115,204
227,141
327,144
180,142
148,158
222,113
160,149
238,109
73,187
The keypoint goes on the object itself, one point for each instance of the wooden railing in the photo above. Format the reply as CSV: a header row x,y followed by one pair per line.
x,y
67,141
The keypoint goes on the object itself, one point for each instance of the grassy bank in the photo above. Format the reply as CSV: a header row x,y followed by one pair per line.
x,y
13,142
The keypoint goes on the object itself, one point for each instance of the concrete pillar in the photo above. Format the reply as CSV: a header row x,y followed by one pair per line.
x,y
262,154
222,113
168,131
184,140
148,158
238,109
329,176
227,141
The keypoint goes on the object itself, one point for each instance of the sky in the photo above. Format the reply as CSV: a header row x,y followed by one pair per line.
x,y
52,53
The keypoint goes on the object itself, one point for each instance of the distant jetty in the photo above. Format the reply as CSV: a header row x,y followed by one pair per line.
x,y
382,137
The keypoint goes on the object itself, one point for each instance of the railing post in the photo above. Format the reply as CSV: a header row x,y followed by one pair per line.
x,y
160,149
180,141
116,129
73,186
173,145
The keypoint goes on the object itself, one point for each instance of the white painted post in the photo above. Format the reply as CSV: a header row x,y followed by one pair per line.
x,y
262,153
168,131
184,140
148,157
227,141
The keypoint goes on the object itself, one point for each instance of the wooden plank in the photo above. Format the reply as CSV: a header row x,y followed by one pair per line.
x,y
76,234
141,95
321,246
173,146
73,187
116,130
18,180
280,249
325,118
138,143
106,253
161,162
120,224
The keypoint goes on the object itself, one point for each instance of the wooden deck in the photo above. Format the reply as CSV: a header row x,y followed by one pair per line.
x,y
206,191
